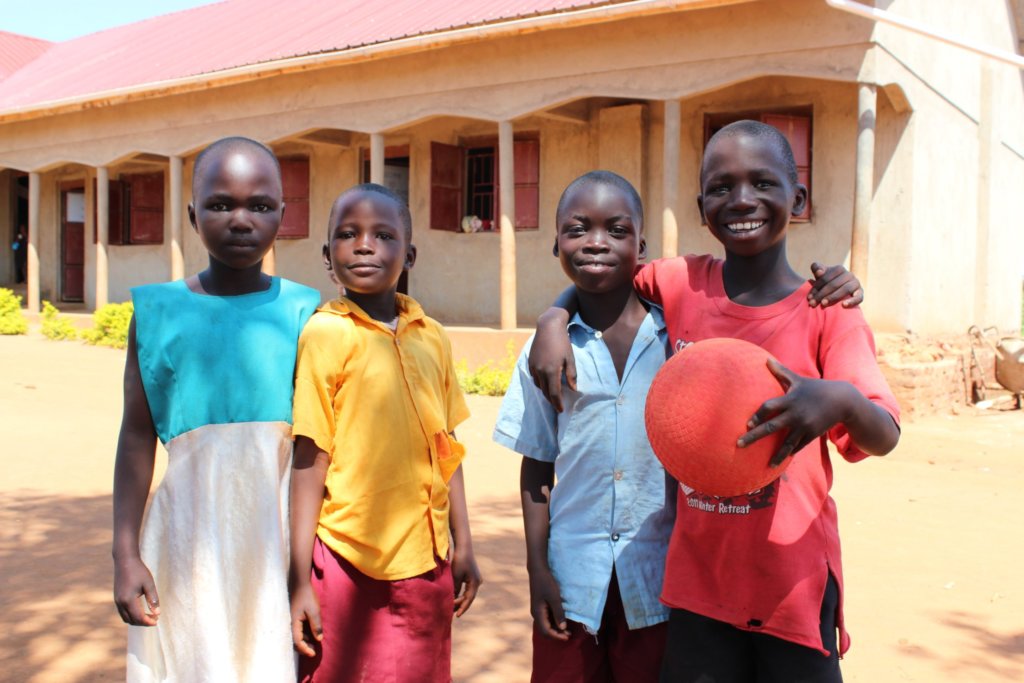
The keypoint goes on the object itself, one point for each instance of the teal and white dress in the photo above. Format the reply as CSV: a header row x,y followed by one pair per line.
x,y
218,372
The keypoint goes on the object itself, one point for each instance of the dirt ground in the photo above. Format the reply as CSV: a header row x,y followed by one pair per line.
x,y
932,537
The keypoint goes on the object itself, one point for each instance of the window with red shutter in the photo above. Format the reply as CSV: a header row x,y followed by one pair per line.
x,y
794,124
527,176
145,203
295,190
115,204
446,163
797,130
464,182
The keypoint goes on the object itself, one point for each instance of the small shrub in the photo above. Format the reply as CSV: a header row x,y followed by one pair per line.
x,y
110,326
489,379
56,326
12,319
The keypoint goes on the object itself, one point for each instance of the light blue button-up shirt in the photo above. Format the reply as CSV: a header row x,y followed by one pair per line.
x,y
612,505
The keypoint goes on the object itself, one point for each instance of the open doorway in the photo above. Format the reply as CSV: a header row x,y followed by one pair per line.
x,y
72,251
19,230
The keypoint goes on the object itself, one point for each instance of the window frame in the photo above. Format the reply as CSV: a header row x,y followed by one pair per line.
x,y
445,196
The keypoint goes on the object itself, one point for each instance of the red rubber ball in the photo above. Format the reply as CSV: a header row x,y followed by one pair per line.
x,y
697,408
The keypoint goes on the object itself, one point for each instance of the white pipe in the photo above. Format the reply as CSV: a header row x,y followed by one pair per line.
x,y
888,18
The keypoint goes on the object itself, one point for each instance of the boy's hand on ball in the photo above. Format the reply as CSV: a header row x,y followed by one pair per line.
x,y
546,605
833,285
808,409
135,593
306,626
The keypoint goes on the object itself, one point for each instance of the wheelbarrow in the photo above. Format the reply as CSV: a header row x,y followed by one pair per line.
x,y
1009,360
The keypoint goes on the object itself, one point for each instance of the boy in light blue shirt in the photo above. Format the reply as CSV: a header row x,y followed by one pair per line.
x,y
596,541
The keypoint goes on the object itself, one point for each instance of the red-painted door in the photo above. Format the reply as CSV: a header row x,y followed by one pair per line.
x,y
72,256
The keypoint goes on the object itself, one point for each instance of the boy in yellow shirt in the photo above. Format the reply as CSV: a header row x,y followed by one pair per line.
x,y
376,480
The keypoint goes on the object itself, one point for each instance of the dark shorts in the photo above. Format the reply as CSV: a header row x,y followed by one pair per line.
x,y
615,655
703,650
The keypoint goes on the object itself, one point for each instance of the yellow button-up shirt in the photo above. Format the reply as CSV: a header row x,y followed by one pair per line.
x,y
382,405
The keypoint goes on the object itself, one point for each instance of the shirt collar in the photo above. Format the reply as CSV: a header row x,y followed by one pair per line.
x,y
654,312
408,309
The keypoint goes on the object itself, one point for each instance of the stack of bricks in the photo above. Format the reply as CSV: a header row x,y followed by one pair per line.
x,y
933,377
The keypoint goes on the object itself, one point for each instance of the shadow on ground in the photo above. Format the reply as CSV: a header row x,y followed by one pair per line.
x,y
59,621
491,642
981,649
56,610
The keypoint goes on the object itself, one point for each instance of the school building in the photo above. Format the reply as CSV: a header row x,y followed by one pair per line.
x,y
481,111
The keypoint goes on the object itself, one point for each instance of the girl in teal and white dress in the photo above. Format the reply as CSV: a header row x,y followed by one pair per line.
x,y
209,372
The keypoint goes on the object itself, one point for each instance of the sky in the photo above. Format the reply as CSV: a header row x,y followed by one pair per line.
x,y
58,20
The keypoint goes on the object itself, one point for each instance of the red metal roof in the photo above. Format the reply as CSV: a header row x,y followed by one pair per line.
x,y
241,32
17,50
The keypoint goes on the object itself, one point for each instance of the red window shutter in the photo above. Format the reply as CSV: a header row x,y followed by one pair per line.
x,y
526,163
295,190
145,204
797,130
115,204
445,186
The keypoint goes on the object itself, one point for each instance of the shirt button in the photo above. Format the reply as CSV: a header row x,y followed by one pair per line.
x,y
618,475
598,334
615,537
619,401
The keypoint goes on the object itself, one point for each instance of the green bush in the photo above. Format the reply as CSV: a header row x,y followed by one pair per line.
x,y
110,326
490,379
12,320
56,326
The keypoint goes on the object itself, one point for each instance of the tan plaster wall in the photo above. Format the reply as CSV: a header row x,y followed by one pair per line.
x,y
891,246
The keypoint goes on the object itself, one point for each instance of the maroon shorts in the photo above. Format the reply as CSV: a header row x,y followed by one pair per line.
x,y
615,655
380,631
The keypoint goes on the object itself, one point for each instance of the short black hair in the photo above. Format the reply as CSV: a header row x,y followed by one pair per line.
x,y
403,208
756,129
605,178
230,144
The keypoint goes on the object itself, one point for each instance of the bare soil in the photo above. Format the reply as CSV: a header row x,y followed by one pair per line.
x,y
932,537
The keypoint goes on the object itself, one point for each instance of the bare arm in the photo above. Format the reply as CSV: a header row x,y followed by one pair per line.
x,y
536,480
465,572
309,472
133,475
551,355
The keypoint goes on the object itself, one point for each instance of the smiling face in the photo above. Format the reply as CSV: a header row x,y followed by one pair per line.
x,y
236,206
368,243
747,196
599,238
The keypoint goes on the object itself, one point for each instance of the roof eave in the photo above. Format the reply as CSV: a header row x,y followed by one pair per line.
x,y
392,48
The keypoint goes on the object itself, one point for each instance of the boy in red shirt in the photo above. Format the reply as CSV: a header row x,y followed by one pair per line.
x,y
755,581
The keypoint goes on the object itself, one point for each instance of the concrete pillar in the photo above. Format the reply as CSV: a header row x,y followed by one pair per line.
x,y
507,218
102,235
176,172
864,181
670,181
33,242
377,158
